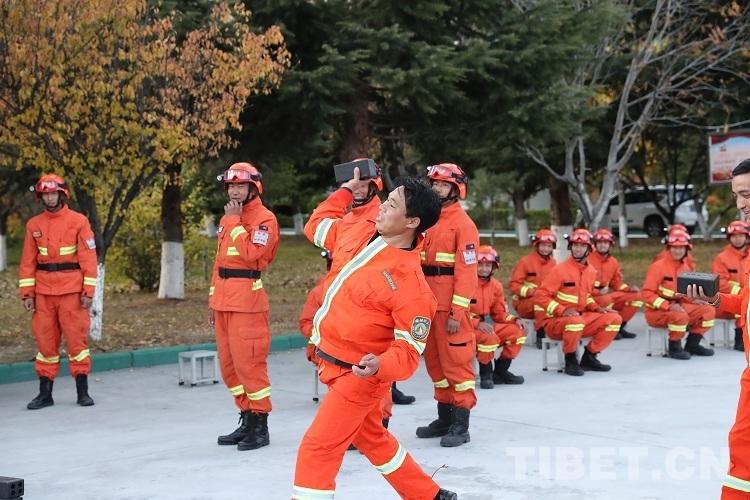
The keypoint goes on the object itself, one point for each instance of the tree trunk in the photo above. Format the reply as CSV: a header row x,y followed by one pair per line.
x,y
3,242
522,223
622,220
97,306
299,223
172,277
561,217
356,133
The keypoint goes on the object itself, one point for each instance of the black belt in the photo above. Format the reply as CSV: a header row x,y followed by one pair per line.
x,y
335,361
225,272
437,271
62,266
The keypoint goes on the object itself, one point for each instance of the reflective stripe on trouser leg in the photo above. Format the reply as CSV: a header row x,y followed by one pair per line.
x,y
674,321
568,329
737,483
46,330
487,343
603,327
74,326
442,392
250,342
701,317
456,356
512,338
226,363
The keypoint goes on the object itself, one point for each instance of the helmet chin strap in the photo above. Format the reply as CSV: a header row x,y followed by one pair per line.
x,y
583,257
58,205
371,192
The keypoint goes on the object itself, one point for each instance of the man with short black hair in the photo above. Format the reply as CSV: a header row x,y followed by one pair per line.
x,y
370,331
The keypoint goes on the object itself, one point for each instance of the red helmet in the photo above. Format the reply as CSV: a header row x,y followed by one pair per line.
x,y
241,173
449,172
486,253
583,236
50,183
604,234
677,227
377,181
544,236
737,227
679,239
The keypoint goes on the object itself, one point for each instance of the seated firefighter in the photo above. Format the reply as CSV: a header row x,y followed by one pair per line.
x,y
667,309
728,265
566,310
610,291
528,273
506,330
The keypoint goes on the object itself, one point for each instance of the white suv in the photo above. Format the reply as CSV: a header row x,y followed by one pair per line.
x,y
642,214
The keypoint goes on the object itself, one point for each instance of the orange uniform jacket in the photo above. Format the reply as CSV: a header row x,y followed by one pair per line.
x,y
314,299
529,273
335,216
246,241
609,274
728,265
567,285
661,282
453,242
490,299
58,237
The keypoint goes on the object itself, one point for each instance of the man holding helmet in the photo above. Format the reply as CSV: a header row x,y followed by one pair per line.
x,y
248,238
57,278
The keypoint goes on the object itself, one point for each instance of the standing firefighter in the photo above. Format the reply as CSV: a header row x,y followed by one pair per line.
x,y
666,309
567,311
728,265
449,263
610,291
370,330
57,278
238,304
505,332
528,273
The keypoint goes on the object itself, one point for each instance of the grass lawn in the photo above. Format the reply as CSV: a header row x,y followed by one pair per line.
x,y
134,319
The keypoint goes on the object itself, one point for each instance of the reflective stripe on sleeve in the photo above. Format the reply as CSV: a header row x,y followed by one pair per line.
x,y
445,257
26,282
234,233
461,301
89,281
321,232
68,250
406,337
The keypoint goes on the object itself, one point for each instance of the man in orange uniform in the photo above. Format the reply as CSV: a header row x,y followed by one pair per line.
x,y
238,304
506,330
449,263
324,225
312,304
370,331
665,308
737,484
728,265
567,311
528,275
610,291
57,278
689,261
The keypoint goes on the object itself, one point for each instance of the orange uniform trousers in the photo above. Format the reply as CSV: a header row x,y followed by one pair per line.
x,y
602,327
507,336
622,302
696,319
243,341
351,413
524,307
737,485
449,359
59,316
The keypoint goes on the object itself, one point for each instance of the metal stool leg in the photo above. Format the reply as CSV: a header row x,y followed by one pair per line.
x,y
316,390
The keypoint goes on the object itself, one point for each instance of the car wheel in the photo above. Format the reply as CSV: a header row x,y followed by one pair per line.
x,y
654,226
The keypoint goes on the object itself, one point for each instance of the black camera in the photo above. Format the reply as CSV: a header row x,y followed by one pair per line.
x,y
368,169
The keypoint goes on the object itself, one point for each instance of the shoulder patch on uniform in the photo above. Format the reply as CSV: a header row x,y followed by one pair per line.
x,y
36,234
260,236
91,243
470,254
389,279
420,328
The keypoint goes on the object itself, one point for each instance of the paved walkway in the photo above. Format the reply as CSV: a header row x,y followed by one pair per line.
x,y
653,428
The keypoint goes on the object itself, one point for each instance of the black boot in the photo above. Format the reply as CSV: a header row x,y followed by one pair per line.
x,y
44,398
82,388
445,495
624,334
258,436
676,351
485,376
539,337
239,433
694,347
501,374
458,433
571,365
589,362
739,341
399,398
440,426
